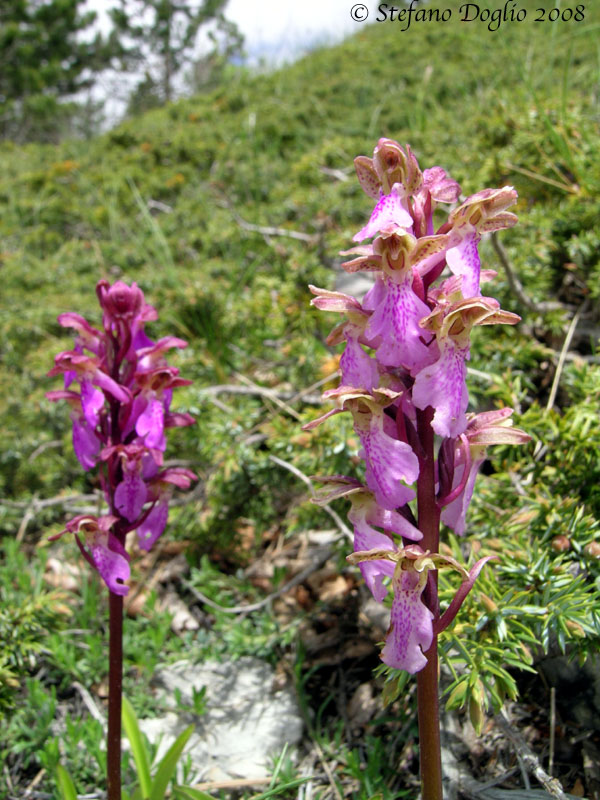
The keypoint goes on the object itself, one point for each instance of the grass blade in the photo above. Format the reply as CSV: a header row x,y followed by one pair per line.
x,y
283,787
188,793
167,766
138,747
65,783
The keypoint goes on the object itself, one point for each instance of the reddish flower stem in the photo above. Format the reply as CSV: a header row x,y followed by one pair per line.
x,y
115,682
427,679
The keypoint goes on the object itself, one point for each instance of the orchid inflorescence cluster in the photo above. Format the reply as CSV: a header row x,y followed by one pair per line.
x,y
410,383
119,417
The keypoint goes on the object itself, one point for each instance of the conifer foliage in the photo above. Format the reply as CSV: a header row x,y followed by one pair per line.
x,y
46,55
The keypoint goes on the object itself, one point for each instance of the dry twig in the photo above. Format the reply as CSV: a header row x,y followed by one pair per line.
x,y
264,392
27,517
563,353
269,230
234,783
516,285
249,607
530,760
261,391
305,479
89,703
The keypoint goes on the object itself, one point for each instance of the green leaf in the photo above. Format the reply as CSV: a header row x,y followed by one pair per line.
x,y
167,766
457,695
138,747
65,783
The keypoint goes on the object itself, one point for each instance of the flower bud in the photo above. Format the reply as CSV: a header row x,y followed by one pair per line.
x,y
120,301
561,543
592,549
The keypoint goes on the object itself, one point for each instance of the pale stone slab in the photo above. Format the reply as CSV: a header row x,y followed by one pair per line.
x,y
247,720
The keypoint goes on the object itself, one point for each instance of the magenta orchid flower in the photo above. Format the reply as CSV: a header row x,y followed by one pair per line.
x,y
101,549
357,367
442,384
160,490
120,415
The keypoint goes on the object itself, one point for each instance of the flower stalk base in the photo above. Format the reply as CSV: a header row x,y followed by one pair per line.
x,y
429,727
427,678
115,691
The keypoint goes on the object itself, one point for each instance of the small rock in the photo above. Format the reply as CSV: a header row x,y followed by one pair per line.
x,y
362,705
377,614
355,284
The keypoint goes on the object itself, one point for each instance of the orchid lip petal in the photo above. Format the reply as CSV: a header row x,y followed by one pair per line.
x,y
151,423
411,628
85,443
389,211
112,563
442,385
396,320
389,462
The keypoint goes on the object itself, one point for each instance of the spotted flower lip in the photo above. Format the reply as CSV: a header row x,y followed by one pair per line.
x,y
411,623
120,415
442,384
391,465
410,633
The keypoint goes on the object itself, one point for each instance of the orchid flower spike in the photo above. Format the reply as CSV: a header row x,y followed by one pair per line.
x,y
403,380
120,414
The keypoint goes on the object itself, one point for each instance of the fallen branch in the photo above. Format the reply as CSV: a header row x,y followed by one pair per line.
x,y
260,391
326,507
90,703
250,607
27,517
269,230
529,758
38,505
563,354
338,174
234,783
268,393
